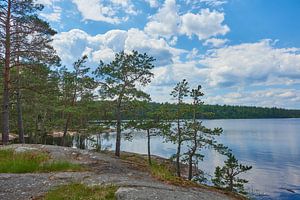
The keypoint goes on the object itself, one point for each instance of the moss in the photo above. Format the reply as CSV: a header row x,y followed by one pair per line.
x,y
76,191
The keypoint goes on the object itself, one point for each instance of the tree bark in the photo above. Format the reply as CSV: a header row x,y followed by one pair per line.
x,y
190,167
19,109
178,150
63,141
118,138
149,147
6,79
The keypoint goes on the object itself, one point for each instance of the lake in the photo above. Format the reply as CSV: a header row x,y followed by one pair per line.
x,y
271,146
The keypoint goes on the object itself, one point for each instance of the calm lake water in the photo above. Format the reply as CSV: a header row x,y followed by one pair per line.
x,y
271,146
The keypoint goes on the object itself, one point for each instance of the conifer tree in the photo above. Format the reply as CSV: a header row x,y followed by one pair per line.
x,y
227,176
24,39
119,82
180,91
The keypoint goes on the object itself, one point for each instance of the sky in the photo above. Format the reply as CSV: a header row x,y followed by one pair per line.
x,y
242,52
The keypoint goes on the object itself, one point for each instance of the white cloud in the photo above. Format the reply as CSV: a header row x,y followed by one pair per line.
x,y
97,10
205,24
54,16
126,5
52,12
74,43
214,3
242,66
44,2
215,42
94,10
153,3
167,22
252,63
287,98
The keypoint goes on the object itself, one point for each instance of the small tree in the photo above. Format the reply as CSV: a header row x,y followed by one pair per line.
x,y
119,80
149,121
76,85
227,176
180,91
197,135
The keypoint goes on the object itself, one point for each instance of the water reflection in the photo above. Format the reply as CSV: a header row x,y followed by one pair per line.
x,y
271,146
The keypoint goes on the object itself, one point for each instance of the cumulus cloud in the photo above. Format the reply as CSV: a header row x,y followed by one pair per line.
x,y
44,2
205,24
214,3
153,3
54,16
167,22
98,10
52,12
252,63
75,43
215,42
243,66
265,98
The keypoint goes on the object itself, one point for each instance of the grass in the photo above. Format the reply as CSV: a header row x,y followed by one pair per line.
x,y
165,171
58,166
160,169
76,191
28,162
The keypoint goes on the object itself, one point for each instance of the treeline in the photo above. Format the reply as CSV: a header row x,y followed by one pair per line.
x,y
205,111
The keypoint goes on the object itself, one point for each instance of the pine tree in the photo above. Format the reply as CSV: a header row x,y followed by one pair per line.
x,y
76,85
149,121
24,39
180,91
119,80
227,176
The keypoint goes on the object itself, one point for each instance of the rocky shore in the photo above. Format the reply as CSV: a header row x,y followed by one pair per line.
x,y
102,169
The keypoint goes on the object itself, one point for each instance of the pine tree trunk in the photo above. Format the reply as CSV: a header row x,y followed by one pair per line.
x,y
63,141
231,184
5,111
149,147
118,138
19,110
190,166
178,150
6,79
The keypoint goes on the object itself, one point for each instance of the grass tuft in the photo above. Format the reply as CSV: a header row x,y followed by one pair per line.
x,y
77,191
28,162
160,169
25,162
57,166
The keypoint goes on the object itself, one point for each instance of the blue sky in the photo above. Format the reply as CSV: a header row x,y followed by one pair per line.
x,y
243,52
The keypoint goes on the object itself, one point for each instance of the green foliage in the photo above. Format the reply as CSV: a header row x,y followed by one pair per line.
x,y
12,162
77,191
119,80
58,166
206,111
28,162
227,176
162,172
180,91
